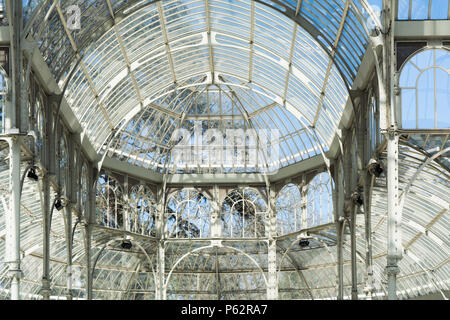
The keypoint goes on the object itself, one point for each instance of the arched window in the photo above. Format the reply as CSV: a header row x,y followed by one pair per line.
x,y
142,211
188,215
109,204
243,214
289,209
425,90
320,202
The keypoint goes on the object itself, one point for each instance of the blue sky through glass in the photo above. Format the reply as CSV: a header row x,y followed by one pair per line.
x,y
425,84
422,9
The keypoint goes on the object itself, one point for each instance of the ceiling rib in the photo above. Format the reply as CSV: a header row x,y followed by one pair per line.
x,y
162,21
125,55
82,65
331,61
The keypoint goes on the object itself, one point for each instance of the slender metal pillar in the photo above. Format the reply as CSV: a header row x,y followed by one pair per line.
x,y
216,228
345,206
90,218
160,292
367,181
18,115
68,214
338,219
160,270
272,275
15,116
340,261
70,192
369,288
45,289
13,219
353,253
87,244
394,245
272,287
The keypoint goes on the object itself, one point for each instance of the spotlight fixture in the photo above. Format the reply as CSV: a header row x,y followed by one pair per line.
x,y
126,244
375,168
59,205
32,175
304,243
357,199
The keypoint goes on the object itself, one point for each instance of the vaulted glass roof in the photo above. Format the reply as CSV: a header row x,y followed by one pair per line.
x,y
286,64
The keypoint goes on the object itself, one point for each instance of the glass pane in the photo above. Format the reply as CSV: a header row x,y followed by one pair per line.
x,y
439,9
408,108
403,9
423,59
442,98
409,76
419,9
443,58
425,96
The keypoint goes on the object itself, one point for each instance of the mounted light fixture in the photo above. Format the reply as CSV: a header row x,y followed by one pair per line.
x,y
59,205
126,244
32,174
375,168
357,199
303,243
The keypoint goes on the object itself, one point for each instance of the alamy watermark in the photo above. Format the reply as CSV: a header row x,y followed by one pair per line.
x,y
73,13
239,149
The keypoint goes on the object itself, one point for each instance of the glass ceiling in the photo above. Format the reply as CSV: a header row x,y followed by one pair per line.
x,y
145,139
280,65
